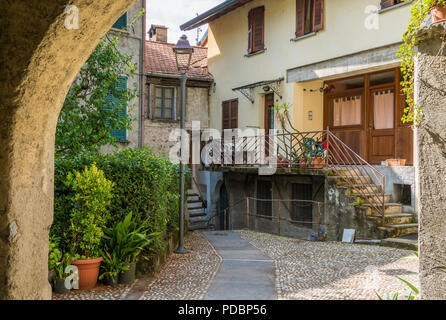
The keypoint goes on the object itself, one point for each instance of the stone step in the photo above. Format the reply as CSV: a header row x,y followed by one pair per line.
x,y
367,188
194,198
198,226
196,212
390,208
350,172
400,243
346,181
373,197
397,218
399,230
194,205
198,219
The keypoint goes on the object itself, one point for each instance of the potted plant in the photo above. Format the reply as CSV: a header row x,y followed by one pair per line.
x,y
126,240
92,196
318,155
419,14
112,267
57,265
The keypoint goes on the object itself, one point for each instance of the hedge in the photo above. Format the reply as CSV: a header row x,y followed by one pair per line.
x,y
144,184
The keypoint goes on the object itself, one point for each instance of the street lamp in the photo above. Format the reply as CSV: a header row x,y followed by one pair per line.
x,y
183,55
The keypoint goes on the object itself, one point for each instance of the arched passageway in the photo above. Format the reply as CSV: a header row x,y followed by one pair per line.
x,y
39,59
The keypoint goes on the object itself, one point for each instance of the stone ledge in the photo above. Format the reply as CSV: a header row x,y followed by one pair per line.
x,y
431,31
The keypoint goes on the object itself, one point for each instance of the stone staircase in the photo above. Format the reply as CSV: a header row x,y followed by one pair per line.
x,y
198,219
400,227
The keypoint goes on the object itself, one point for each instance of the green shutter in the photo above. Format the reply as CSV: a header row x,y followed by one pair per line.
x,y
121,23
119,135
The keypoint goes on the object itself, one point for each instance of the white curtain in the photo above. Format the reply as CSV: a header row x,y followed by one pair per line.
x,y
383,109
347,111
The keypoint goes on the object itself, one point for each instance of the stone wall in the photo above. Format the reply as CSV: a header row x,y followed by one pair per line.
x,y
430,160
39,59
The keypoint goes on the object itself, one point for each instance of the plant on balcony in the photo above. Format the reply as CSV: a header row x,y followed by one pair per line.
x,y
419,14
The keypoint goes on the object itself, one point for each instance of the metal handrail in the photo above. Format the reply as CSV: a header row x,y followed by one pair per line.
x,y
309,150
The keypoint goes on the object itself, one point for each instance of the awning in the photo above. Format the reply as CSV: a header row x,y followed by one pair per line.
x,y
214,13
274,85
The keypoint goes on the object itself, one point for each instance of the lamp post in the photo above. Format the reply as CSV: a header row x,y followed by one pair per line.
x,y
183,55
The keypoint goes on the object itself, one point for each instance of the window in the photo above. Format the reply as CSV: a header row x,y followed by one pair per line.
x,y
121,23
264,196
119,135
309,16
389,3
164,103
302,212
256,23
230,114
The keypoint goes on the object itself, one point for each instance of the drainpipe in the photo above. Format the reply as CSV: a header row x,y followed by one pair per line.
x,y
142,83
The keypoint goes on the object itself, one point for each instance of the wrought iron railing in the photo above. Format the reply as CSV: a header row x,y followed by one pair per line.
x,y
315,150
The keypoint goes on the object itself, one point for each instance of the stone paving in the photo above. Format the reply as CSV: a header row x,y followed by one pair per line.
x,y
335,271
303,270
182,277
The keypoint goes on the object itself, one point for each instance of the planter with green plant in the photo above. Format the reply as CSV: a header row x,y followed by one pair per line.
x,y
57,264
123,243
92,196
420,12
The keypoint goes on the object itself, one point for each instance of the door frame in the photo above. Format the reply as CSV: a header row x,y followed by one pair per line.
x,y
402,132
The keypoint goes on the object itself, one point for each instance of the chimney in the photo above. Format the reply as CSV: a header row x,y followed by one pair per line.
x,y
158,33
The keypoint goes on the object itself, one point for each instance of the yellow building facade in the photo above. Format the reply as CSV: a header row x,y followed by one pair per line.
x,y
356,38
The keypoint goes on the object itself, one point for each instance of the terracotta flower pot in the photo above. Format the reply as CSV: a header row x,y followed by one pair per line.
x,y
88,272
396,162
303,163
438,14
318,163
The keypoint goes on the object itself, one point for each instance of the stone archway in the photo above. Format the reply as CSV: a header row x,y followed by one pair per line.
x,y
39,59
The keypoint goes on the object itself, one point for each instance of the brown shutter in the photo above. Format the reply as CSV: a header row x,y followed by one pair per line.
x,y
226,115
256,30
234,114
230,114
387,3
250,31
300,18
318,15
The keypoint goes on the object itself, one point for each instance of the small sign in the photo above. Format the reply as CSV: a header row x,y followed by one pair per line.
x,y
348,236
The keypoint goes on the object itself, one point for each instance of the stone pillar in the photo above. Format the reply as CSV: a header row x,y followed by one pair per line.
x,y
430,159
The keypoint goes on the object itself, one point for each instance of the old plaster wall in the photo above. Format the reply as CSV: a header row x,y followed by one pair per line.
x,y
39,59
430,160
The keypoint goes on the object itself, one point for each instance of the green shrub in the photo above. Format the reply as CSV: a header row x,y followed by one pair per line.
x,y
144,184
89,214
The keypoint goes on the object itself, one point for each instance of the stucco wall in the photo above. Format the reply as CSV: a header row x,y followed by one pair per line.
x,y
228,39
130,44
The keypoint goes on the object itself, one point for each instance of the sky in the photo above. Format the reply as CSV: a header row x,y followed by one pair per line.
x,y
173,13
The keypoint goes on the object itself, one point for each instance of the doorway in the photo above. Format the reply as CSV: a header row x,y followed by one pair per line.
x,y
365,111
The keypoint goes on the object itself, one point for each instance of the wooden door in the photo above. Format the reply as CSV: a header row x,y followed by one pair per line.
x,y
346,119
382,103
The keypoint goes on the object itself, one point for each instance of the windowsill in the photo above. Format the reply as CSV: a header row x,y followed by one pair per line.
x,y
123,142
119,30
255,53
164,120
304,37
402,4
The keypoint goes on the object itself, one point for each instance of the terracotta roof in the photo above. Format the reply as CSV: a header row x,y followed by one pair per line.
x,y
160,58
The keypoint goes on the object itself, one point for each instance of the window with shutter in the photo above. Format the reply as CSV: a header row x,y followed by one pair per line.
x,y
309,16
119,135
256,29
390,3
164,108
230,114
121,23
